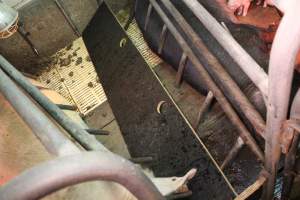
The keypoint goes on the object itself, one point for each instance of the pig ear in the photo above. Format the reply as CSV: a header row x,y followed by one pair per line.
x,y
240,10
259,2
246,8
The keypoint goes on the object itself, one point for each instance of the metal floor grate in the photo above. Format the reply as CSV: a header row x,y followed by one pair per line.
x,y
72,74
138,40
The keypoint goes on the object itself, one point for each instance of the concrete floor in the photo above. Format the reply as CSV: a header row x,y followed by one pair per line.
x,y
49,31
19,148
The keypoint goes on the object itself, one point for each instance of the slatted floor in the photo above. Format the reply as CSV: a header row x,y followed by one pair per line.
x,y
72,74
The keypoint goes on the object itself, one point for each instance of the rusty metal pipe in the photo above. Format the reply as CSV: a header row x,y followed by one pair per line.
x,y
204,108
46,131
227,108
36,183
239,144
282,61
290,158
57,174
216,70
240,56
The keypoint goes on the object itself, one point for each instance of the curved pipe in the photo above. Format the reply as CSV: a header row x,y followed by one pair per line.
x,y
57,174
282,61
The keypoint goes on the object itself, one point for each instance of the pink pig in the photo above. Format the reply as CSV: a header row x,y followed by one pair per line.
x,y
240,7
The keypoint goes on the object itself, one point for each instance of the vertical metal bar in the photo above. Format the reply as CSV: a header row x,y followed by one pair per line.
x,y
149,11
233,153
24,35
252,188
204,108
67,17
162,39
289,165
181,68
290,158
227,108
281,69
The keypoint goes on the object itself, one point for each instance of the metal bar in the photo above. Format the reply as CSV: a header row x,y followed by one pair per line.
x,y
47,132
69,170
141,160
233,153
252,188
289,165
35,184
217,71
204,108
88,141
67,107
149,11
97,131
181,68
281,69
290,158
24,34
227,108
240,56
67,17
162,39
180,195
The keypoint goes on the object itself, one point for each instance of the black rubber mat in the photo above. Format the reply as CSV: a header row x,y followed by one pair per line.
x,y
134,93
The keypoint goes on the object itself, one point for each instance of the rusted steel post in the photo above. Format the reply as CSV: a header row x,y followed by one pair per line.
x,y
289,165
162,39
149,11
216,70
181,68
227,108
233,152
290,158
252,188
282,61
240,56
204,107
65,171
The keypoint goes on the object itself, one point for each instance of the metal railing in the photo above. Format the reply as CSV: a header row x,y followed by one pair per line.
x,y
275,86
73,166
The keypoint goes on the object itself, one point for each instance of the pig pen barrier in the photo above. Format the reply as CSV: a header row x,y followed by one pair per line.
x,y
275,87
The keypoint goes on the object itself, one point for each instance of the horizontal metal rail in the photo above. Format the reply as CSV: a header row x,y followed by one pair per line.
x,y
240,56
103,165
54,175
217,71
227,108
86,140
